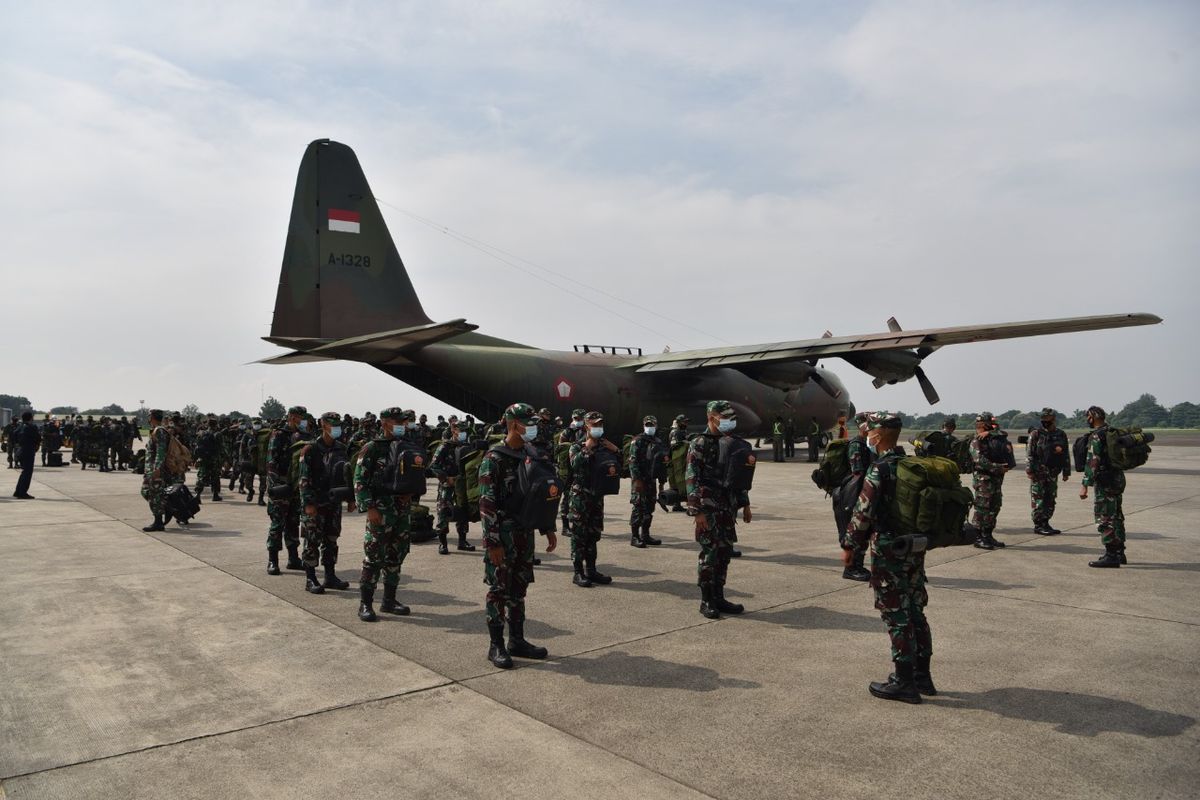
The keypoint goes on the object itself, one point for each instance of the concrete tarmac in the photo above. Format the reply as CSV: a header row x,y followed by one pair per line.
x,y
170,665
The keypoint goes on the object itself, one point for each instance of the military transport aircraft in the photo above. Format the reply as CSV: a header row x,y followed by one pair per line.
x,y
344,294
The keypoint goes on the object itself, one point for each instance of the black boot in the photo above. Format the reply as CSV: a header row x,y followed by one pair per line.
x,y
199,491
157,525
922,677
856,571
723,605
735,553
272,562
311,584
679,509
250,496
261,500
517,646
900,685
635,537
707,605
594,575
390,604
1110,560
996,543
581,577
1042,529
365,597
497,654
466,546
294,561
647,538
1121,555
332,581
984,541
217,497
443,548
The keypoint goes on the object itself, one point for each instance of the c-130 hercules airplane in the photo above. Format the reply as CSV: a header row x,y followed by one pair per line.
x,y
345,294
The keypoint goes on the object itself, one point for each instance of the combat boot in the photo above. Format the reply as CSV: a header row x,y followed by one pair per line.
x,y
250,496
1042,529
366,596
332,581
311,584
581,577
635,537
390,604
467,547
157,525
735,553
443,548
1110,560
496,653
856,571
261,500
517,646
984,542
294,561
217,498
900,685
1121,555
708,606
994,542
723,605
272,562
922,677
594,575
647,538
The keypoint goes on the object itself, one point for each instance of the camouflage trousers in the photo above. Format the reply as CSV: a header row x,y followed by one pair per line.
x,y
716,546
585,520
321,532
901,597
509,582
446,510
988,498
285,524
208,473
152,493
1043,495
642,513
247,480
385,546
1110,518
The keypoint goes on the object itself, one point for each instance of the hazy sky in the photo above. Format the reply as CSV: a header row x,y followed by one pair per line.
x,y
811,166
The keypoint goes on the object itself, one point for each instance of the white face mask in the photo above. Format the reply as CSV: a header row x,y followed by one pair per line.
x,y
575,423
303,426
336,431
596,433
726,425
412,426
650,430
462,436
530,433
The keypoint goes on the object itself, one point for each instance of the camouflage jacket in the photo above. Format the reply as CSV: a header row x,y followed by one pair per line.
x,y
580,459
637,455
868,517
156,451
983,464
444,458
314,482
1099,470
704,492
278,448
497,483
859,455
1039,439
374,458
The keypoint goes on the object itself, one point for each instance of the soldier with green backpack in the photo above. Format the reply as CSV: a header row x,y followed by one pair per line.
x,y
991,459
1110,452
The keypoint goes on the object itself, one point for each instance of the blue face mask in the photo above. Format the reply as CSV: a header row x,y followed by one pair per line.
x,y
596,433
462,436
336,431
303,426
530,433
726,425
650,430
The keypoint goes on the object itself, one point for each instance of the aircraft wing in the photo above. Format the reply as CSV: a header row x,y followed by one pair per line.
x,y
890,357
374,348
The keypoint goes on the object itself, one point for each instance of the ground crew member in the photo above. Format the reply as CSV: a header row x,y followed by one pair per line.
x,y
814,440
644,491
777,440
1047,455
789,438
1109,482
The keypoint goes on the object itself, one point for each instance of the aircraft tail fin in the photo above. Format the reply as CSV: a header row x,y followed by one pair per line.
x,y
342,276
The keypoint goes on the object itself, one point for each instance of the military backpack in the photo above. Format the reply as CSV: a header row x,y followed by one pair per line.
x,y
537,491
735,463
605,478
834,466
404,469
1127,448
928,501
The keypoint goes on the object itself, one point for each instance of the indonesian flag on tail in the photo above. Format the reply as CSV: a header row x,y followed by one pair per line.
x,y
343,221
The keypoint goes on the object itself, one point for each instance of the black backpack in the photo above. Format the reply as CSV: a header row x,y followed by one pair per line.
x,y
1051,449
655,462
337,468
180,502
206,447
404,471
1000,449
606,472
1079,452
735,464
537,491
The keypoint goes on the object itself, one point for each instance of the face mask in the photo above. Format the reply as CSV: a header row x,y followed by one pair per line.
x,y
1046,424
650,430
462,436
412,426
871,446
336,431
303,426
530,433
726,425
576,424
595,433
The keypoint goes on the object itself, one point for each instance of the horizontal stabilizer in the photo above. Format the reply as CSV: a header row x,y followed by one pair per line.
x,y
292,358
386,347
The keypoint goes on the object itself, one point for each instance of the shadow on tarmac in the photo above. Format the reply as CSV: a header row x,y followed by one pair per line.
x,y
974,583
817,618
618,668
1075,714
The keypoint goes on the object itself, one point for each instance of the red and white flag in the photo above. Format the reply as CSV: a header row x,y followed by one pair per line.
x,y
343,221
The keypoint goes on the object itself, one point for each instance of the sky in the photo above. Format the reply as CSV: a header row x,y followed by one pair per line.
x,y
753,172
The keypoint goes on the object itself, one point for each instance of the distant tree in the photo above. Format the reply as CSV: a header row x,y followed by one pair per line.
x,y
1145,412
1184,415
1022,422
190,410
72,410
237,415
112,410
272,409
15,402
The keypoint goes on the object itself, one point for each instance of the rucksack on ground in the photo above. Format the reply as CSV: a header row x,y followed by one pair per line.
x,y
736,462
1128,448
834,466
180,503
930,501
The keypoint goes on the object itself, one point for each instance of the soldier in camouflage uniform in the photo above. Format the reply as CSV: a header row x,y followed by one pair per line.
x,y
987,478
714,509
644,492
508,563
155,478
208,458
284,513
860,457
679,436
1047,455
386,541
586,514
321,517
444,465
572,433
898,583
247,456
1109,482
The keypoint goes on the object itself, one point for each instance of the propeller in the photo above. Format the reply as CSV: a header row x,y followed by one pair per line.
x,y
931,394
926,386
824,384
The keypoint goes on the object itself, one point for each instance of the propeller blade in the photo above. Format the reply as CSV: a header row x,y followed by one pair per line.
x,y
827,335
893,326
922,352
927,386
829,390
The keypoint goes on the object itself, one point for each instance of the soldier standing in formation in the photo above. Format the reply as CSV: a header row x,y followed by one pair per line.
x,y
321,518
571,434
284,513
987,478
386,541
1109,483
1047,455
445,467
860,457
644,491
586,515
898,583
508,564
714,509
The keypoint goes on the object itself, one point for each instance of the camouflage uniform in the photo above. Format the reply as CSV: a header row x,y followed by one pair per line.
x,y
155,478
284,530
1108,484
208,460
247,456
386,544
444,465
586,508
860,458
322,528
1045,449
641,517
708,499
987,478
